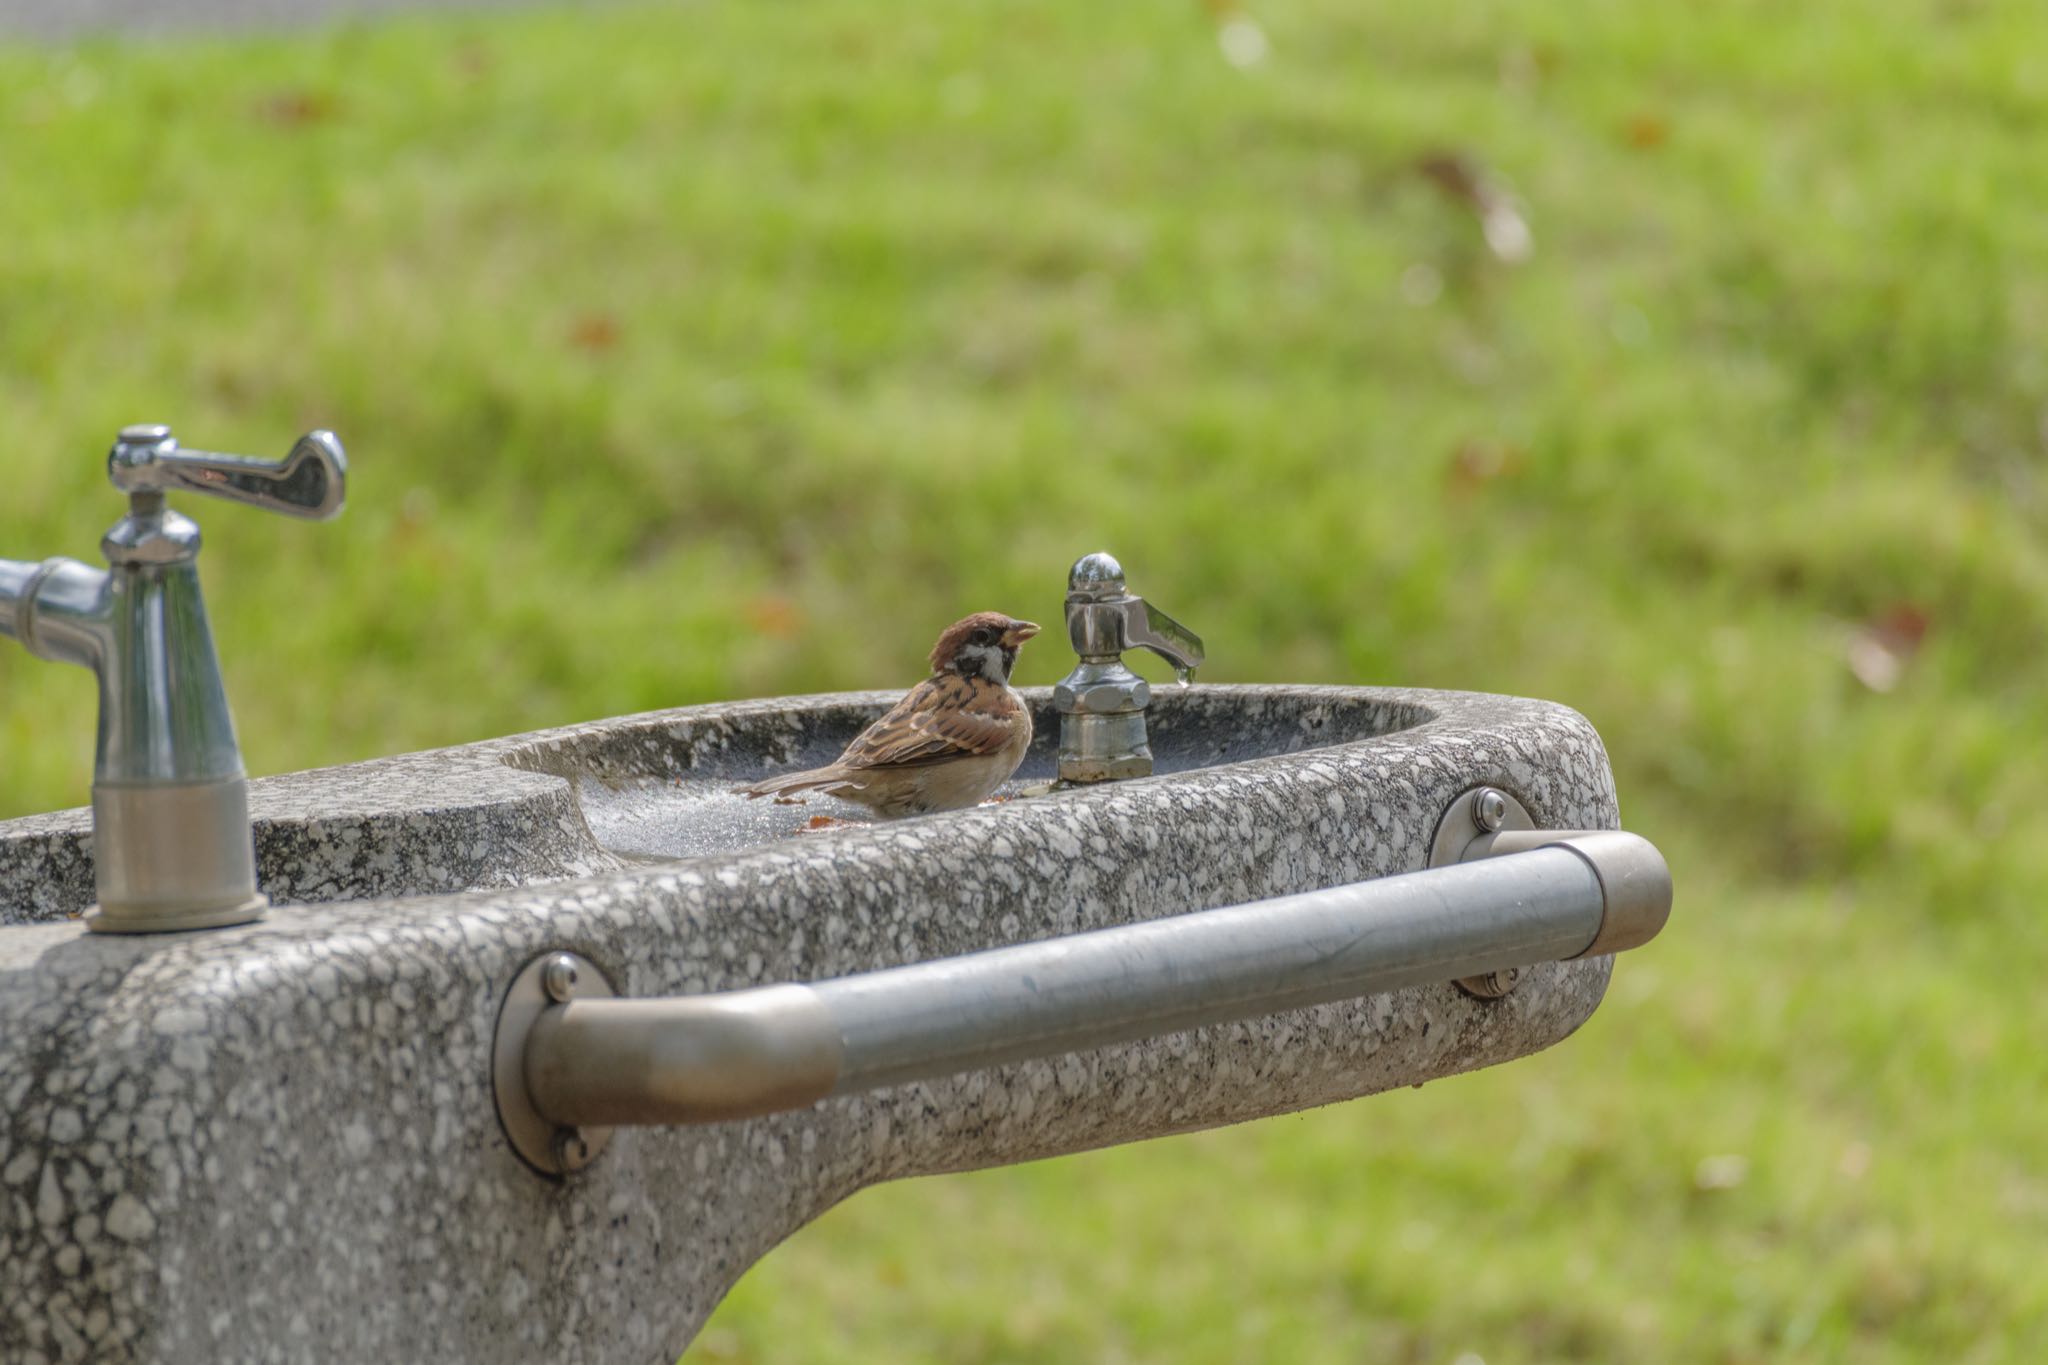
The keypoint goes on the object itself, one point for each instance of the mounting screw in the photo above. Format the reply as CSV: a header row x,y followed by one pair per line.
x,y
558,978
1491,986
1489,810
572,1149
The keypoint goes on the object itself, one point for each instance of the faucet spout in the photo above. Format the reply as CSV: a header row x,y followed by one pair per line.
x,y
1147,627
58,609
14,577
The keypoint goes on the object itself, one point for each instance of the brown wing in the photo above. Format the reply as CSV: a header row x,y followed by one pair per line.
x,y
944,717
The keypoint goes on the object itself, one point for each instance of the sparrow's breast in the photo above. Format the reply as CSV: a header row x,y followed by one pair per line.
x,y
961,782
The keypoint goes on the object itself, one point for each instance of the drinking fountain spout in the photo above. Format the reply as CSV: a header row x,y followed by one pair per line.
x,y
1102,703
171,841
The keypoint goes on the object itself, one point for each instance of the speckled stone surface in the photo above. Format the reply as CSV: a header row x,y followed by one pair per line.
x,y
446,820
277,1142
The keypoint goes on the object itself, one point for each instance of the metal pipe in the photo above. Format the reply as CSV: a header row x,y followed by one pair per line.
x,y
15,577
685,1059
743,1053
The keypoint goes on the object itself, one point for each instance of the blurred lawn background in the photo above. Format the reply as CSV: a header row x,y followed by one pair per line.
x,y
691,352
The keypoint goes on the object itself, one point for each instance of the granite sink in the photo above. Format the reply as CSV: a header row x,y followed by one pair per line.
x,y
278,1141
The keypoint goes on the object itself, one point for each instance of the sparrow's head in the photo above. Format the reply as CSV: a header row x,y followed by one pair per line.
x,y
985,643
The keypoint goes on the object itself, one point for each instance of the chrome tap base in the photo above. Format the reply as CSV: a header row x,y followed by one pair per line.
x,y
167,921
173,856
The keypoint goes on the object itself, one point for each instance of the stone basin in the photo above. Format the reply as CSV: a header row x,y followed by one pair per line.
x,y
662,789
279,1142
560,804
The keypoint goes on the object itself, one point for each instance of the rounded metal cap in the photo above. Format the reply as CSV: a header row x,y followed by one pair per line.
x,y
1637,883
134,456
1096,578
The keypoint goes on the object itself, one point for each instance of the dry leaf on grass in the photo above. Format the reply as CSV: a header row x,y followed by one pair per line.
x,y
1879,649
1490,198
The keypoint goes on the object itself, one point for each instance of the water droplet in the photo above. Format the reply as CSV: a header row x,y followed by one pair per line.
x,y
1183,676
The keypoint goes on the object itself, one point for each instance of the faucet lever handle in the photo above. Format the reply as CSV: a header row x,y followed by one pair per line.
x,y
311,481
1147,627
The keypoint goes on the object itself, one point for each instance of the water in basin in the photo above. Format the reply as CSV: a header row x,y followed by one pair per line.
x,y
656,802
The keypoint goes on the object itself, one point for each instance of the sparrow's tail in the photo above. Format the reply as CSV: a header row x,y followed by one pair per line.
x,y
827,780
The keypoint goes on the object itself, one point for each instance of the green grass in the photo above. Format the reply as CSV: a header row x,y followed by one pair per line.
x,y
693,352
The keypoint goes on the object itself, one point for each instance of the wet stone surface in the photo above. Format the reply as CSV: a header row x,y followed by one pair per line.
x,y
277,1142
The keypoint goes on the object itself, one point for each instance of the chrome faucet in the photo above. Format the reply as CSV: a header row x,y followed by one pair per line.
x,y
170,811
1102,703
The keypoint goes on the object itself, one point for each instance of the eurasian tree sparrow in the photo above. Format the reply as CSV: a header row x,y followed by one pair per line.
x,y
949,744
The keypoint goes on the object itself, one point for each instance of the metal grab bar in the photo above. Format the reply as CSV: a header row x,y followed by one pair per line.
x,y
570,1060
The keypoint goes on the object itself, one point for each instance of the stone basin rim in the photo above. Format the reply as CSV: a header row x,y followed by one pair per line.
x,y
529,781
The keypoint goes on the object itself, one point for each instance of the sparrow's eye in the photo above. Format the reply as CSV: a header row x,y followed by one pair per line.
x,y
984,636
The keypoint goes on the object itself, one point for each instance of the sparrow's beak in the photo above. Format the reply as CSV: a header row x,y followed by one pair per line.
x,y
1019,632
